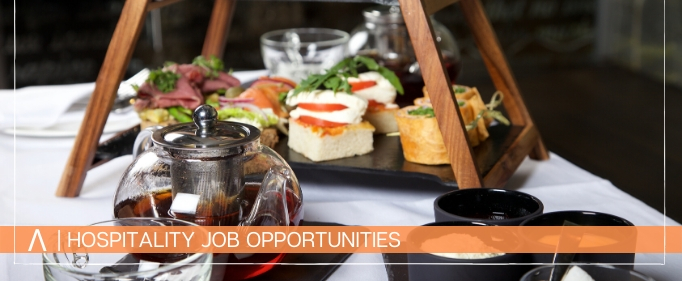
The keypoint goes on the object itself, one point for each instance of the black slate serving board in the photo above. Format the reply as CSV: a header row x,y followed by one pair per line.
x,y
386,159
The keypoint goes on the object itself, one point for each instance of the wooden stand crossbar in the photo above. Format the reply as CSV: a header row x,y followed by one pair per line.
x,y
416,14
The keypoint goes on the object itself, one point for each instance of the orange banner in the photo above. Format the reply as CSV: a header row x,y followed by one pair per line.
x,y
341,239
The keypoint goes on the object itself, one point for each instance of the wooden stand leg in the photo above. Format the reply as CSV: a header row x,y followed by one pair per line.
x,y
539,151
218,27
499,70
110,75
440,91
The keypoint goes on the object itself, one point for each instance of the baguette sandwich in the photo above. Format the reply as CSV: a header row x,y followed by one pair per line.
x,y
170,94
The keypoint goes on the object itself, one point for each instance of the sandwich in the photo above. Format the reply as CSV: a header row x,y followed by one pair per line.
x,y
420,135
327,125
259,106
327,120
170,94
380,94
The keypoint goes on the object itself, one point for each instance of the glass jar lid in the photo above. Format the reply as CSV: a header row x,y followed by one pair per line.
x,y
383,14
207,137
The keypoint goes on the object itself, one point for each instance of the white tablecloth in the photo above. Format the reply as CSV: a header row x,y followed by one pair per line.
x,y
31,169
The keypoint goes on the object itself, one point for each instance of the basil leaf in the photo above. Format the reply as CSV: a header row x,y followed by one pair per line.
x,y
332,83
369,62
392,78
336,77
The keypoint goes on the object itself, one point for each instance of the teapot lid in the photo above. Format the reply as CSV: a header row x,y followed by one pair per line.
x,y
207,137
383,14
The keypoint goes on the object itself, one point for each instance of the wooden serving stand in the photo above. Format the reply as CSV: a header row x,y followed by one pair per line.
x,y
416,13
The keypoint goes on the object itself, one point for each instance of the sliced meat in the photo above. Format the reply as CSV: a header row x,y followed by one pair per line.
x,y
223,81
186,94
195,74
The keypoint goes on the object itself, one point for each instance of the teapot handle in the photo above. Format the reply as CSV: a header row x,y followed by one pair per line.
x,y
143,141
270,206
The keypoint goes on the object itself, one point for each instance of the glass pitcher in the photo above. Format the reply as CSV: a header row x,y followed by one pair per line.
x,y
384,37
212,173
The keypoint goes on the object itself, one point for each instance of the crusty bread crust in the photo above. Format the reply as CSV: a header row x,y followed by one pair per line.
x,y
383,120
269,137
322,144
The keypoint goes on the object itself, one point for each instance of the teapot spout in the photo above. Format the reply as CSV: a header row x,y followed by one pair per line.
x,y
270,206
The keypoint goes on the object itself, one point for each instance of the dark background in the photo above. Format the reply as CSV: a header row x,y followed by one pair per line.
x,y
589,106
59,43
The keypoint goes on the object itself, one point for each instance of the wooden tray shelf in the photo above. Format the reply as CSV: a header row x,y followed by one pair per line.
x,y
489,165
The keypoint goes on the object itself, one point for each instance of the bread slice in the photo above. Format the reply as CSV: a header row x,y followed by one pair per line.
x,y
322,144
382,120
269,137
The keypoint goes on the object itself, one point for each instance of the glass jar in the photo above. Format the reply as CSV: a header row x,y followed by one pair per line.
x,y
384,37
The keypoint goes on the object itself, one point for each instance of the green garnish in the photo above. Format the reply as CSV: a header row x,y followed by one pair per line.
x,y
336,78
490,112
459,89
235,112
282,97
423,111
180,113
135,87
163,80
213,64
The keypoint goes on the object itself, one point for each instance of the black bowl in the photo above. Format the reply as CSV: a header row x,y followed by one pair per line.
x,y
597,272
490,206
424,266
585,218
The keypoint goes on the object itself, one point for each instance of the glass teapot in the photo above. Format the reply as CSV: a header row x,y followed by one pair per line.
x,y
210,173
384,37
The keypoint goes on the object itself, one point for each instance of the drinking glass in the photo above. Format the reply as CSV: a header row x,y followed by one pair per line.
x,y
123,266
298,52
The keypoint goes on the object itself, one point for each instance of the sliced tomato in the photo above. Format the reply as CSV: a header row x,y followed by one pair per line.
x,y
319,122
360,85
322,107
374,106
